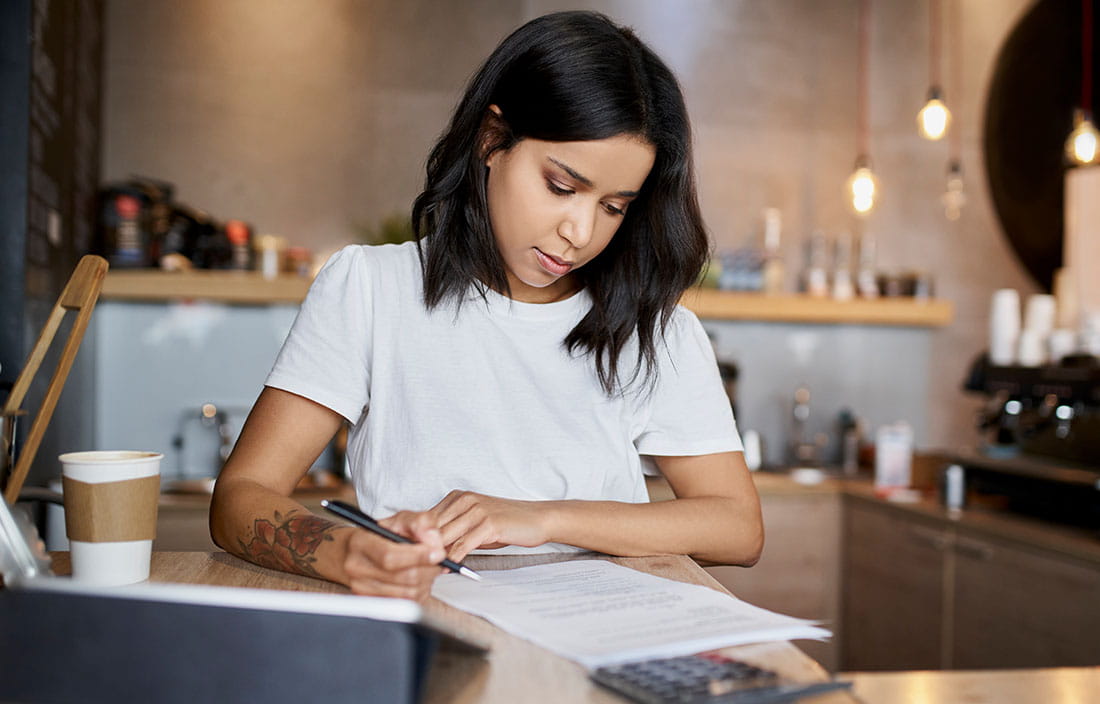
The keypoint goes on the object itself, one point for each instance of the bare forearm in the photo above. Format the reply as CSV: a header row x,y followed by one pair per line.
x,y
272,530
711,528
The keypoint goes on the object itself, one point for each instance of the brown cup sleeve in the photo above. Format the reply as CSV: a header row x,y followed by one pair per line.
x,y
111,511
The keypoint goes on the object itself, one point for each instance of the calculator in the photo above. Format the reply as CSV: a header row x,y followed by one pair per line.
x,y
707,678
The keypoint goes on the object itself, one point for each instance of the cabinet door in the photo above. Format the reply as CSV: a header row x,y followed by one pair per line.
x,y
799,571
893,589
1015,607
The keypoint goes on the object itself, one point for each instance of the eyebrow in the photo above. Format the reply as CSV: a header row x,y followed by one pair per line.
x,y
586,181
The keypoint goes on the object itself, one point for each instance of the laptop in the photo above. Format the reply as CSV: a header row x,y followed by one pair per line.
x,y
61,640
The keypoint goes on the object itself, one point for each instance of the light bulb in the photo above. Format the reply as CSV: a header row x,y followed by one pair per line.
x,y
934,118
862,187
1082,141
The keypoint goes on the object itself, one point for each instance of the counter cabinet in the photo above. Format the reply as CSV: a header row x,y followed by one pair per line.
x,y
799,572
927,593
893,604
1015,606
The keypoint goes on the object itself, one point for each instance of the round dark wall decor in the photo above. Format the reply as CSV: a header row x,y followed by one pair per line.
x,y
1028,114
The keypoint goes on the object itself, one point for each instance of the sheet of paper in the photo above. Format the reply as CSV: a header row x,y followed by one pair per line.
x,y
598,613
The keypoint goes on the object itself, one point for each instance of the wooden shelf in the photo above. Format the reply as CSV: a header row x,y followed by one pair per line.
x,y
249,287
223,286
788,308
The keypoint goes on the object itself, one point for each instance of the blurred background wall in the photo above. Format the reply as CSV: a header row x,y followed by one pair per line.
x,y
307,118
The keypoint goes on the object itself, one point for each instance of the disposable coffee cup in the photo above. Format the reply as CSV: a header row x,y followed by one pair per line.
x,y
1004,326
1040,313
1031,350
110,514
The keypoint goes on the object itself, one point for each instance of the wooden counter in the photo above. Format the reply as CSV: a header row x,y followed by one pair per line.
x,y
516,671
1060,685
1066,541
1076,543
248,287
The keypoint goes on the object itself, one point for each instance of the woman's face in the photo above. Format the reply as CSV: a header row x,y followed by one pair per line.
x,y
554,206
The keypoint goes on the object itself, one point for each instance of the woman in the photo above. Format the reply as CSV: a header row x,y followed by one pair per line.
x,y
506,375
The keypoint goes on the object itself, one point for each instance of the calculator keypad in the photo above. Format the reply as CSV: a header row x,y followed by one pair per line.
x,y
684,680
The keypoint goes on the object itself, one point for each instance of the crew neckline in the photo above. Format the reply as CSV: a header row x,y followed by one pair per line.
x,y
499,304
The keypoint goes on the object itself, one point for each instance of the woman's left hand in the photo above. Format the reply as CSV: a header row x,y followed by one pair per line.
x,y
469,521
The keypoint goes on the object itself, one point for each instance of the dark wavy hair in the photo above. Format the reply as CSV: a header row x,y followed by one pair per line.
x,y
571,76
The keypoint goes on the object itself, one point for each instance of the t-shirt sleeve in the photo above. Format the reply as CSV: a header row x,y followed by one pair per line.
x,y
327,355
688,410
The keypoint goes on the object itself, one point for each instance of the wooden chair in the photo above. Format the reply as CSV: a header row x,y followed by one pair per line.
x,y
80,295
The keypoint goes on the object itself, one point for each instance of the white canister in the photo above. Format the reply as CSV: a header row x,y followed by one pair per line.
x,y
1090,335
1061,343
893,456
1040,313
1004,326
1031,350
954,487
754,453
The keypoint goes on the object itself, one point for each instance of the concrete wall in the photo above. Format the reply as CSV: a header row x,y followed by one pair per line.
x,y
307,117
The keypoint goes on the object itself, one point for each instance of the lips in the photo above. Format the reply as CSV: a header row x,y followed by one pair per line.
x,y
553,265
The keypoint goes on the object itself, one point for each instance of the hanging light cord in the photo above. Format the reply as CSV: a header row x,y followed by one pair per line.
x,y
934,43
1086,55
954,68
864,77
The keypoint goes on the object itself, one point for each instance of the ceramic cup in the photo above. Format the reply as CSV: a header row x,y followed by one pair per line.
x,y
110,514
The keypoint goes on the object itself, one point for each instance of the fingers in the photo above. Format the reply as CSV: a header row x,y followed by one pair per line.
x,y
459,514
421,528
479,538
412,584
452,505
469,521
380,567
464,521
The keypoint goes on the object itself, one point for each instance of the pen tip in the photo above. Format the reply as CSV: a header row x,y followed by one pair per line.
x,y
467,572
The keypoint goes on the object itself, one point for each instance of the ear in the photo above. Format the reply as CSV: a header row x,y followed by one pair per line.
x,y
493,135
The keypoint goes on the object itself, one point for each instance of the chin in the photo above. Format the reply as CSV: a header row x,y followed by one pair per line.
x,y
540,282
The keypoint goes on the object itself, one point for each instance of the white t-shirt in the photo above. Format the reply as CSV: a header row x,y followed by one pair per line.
x,y
483,396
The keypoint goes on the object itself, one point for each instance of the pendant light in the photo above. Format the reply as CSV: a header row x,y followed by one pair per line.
x,y
1081,145
862,186
1082,141
954,197
934,118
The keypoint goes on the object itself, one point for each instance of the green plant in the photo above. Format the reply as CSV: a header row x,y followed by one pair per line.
x,y
395,228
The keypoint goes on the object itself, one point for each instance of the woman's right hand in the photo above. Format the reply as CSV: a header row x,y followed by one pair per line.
x,y
378,567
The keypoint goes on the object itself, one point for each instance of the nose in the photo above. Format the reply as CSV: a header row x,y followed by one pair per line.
x,y
577,226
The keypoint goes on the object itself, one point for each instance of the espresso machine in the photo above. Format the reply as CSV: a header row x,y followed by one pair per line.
x,y
1040,449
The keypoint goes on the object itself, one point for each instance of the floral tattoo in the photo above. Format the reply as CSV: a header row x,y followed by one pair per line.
x,y
289,545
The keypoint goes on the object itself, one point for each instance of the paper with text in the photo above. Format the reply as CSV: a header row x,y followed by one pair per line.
x,y
598,613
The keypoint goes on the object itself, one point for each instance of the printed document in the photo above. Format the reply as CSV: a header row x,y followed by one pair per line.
x,y
598,613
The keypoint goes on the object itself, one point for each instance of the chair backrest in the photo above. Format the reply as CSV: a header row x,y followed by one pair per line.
x,y
80,295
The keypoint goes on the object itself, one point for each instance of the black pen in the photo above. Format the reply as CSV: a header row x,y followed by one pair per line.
x,y
349,512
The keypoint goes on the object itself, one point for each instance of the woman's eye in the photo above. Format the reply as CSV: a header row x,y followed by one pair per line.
x,y
557,190
614,210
